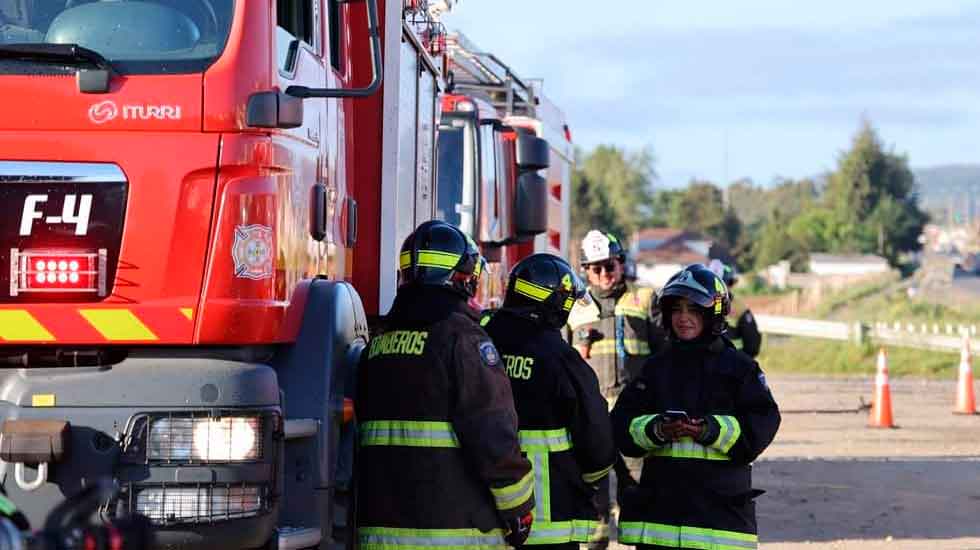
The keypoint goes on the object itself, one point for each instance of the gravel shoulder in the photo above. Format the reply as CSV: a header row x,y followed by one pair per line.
x,y
834,483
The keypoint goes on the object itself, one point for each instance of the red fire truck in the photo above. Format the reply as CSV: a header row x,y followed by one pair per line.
x,y
498,133
205,202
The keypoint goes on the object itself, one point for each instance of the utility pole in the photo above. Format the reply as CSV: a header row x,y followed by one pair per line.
x,y
881,239
724,184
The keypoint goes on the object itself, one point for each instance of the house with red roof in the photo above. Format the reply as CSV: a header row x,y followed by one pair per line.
x,y
660,252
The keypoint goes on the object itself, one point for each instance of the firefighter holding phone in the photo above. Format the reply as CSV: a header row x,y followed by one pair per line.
x,y
700,413
614,332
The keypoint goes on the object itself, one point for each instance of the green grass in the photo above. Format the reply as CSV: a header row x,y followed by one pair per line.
x,y
845,300
752,285
887,300
829,357
894,305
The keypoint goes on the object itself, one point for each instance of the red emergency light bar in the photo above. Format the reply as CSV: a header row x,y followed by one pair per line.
x,y
58,271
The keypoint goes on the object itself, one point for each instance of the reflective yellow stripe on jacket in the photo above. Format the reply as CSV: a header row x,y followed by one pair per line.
x,y
514,495
395,538
638,431
632,346
558,532
535,441
408,433
729,432
635,302
538,444
688,448
680,536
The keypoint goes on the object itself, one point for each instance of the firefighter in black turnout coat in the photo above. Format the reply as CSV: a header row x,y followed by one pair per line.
x,y
700,413
440,464
564,420
745,334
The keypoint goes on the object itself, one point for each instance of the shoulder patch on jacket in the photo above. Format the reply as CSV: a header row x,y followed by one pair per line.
x,y
489,353
762,378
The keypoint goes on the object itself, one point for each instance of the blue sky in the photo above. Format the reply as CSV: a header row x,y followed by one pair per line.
x,y
780,86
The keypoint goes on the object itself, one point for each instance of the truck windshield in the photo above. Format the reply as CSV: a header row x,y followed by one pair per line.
x,y
455,202
144,37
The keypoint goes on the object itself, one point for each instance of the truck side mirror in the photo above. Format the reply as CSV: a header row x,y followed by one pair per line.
x,y
532,152
531,204
274,110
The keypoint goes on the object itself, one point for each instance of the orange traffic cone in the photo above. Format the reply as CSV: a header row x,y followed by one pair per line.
x,y
965,401
881,407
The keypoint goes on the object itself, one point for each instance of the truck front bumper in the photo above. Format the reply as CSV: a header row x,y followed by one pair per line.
x,y
196,496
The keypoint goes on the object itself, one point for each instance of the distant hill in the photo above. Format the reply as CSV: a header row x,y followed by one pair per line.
x,y
955,186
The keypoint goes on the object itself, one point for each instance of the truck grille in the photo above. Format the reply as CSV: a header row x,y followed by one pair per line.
x,y
200,503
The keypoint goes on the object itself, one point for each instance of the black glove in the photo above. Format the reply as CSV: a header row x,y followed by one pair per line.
x,y
517,529
710,430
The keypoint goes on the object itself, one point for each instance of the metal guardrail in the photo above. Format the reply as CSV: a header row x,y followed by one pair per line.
x,y
794,326
921,336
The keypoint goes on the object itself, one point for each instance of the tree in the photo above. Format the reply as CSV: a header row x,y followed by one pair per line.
x,y
774,244
813,230
612,190
749,201
662,205
873,200
701,208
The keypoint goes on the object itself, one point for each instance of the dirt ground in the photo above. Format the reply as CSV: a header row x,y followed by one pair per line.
x,y
833,483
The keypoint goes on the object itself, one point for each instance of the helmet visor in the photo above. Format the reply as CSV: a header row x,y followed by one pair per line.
x,y
698,296
579,288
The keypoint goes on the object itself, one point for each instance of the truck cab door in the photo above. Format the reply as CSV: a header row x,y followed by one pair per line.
x,y
299,44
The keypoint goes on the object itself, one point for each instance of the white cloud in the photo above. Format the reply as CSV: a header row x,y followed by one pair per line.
x,y
786,82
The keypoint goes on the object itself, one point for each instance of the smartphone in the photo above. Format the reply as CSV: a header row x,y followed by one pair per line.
x,y
674,416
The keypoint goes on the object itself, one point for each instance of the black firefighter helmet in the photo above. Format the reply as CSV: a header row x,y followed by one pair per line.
x,y
543,288
440,254
702,287
725,271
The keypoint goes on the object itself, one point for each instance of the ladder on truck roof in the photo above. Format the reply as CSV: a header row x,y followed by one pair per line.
x,y
484,75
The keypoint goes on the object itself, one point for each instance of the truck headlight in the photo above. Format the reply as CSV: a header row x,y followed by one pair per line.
x,y
224,439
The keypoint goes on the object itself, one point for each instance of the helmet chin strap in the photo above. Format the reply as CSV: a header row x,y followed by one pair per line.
x,y
464,282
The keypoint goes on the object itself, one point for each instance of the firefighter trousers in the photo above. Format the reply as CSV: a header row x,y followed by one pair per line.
x,y
623,476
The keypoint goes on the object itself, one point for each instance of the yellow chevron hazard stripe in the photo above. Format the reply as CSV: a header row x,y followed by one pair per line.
x,y
188,312
118,324
21,326
43,400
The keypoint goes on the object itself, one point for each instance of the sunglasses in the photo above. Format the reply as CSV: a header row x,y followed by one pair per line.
x,y
608,267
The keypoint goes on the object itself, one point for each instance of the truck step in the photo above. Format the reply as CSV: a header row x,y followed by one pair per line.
x,y
298,428
294,538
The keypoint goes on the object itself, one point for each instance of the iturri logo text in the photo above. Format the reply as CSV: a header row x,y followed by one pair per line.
x,y
107,110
